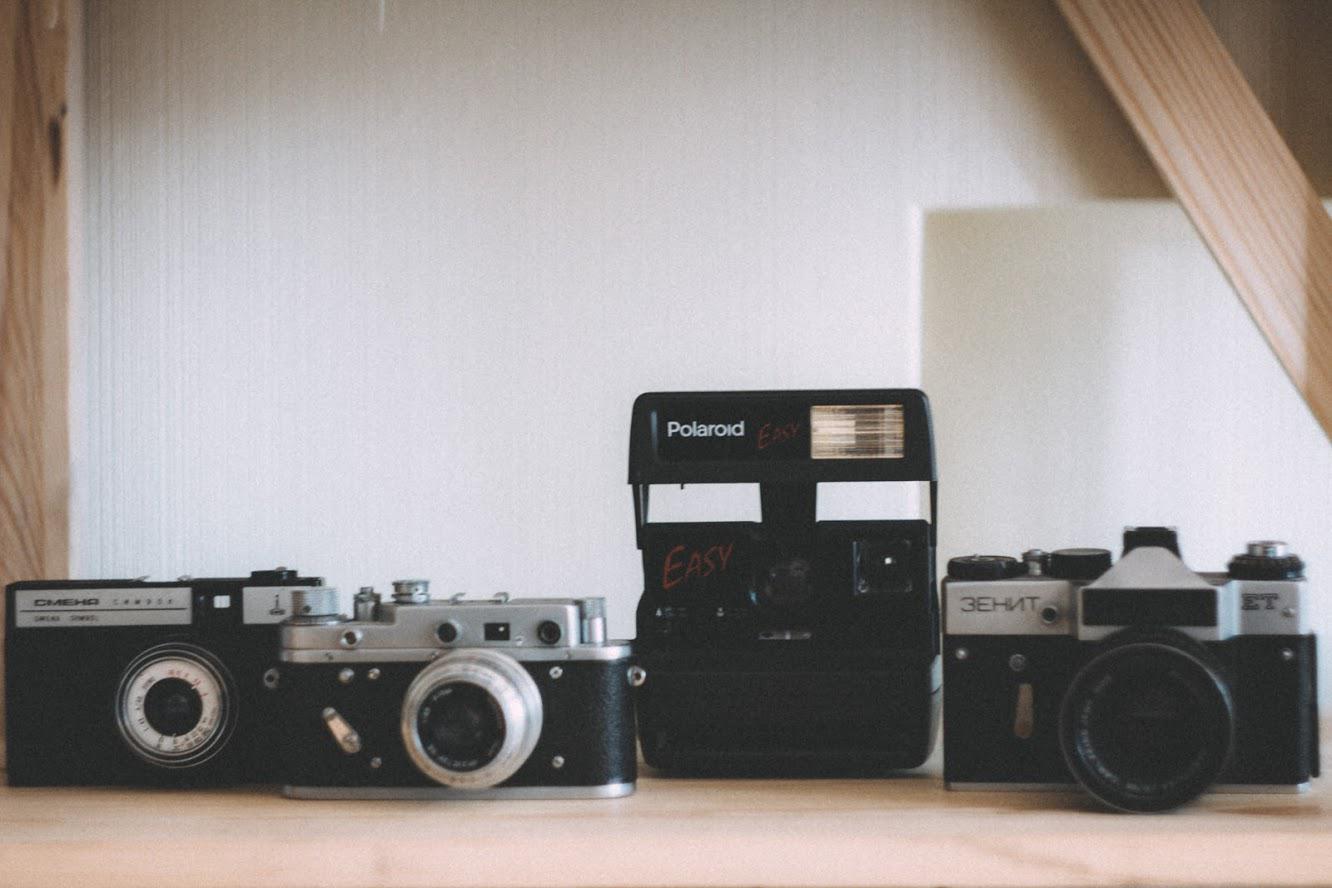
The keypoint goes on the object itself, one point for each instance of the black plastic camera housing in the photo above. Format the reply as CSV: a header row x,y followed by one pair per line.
x,y
127,682
788,645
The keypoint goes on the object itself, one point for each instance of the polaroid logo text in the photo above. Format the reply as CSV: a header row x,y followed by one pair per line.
x,y
705,430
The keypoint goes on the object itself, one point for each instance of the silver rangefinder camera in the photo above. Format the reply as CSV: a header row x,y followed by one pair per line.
x,y
418,698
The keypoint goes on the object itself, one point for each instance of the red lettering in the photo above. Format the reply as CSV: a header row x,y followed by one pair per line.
x,y
682,564
695,568
670,565
770,435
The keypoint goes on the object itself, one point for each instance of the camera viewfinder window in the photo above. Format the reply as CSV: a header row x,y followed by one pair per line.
x,y
856,431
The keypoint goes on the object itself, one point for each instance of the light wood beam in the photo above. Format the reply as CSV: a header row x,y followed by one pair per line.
x,y
1219,151
34,280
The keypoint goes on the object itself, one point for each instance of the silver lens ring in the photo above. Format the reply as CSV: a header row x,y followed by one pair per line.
x,y
509,687
202,685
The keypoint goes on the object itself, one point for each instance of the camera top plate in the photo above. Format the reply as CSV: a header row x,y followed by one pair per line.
x,y
785,441
781,436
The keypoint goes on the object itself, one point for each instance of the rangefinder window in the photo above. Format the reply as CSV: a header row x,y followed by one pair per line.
x,y
856,431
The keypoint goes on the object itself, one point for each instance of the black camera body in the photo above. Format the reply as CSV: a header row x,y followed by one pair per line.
x,y
1145,682
456,699
789,645
127,682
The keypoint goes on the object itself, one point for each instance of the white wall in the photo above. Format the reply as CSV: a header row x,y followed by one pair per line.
x,y
1091,368
375,302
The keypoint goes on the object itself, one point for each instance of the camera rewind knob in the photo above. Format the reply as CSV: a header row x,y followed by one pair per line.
x,y
411,591
985,567
1079,564
1266,560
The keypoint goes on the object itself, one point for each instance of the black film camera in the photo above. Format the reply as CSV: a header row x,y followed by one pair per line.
x,y
416,698
790,645
1145,682
142,683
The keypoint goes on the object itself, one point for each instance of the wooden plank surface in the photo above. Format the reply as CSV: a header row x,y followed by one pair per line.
x,y
1229,167
903,831
34,448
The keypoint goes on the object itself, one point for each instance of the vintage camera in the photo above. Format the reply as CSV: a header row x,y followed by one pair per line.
x,y
1145,682
142,683
789,645
416,698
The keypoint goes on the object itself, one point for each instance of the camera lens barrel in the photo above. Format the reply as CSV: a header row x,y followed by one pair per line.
x,y
1148,723
175,706
471,719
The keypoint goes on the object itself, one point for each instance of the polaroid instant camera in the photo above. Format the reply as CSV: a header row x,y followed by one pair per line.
x,y
790,645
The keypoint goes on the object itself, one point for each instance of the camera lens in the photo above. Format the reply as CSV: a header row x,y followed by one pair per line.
x,y
787,584
1147,725
471,718
461,726
172,707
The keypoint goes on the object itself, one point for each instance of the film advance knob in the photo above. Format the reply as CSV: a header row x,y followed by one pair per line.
x,y
1079,564
985,567
1266,560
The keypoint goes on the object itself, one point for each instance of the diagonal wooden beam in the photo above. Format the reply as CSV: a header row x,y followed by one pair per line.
x,y
1229,167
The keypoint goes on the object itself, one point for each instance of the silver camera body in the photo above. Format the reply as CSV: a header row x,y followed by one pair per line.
x,y
419,698
1144,681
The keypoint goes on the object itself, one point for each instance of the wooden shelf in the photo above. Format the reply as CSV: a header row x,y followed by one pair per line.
x,y
902,831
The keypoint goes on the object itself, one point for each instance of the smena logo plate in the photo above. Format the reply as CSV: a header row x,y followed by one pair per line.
x,y
71,608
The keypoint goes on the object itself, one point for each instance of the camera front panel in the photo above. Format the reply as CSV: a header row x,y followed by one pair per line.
x,y
735,585
1273,684
787,710
1002,722
1001,708
586,737
170,705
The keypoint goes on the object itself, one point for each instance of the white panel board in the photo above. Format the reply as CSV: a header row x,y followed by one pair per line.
x,y
1091,368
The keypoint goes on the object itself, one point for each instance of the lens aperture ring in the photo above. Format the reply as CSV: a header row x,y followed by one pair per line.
x,y
175,706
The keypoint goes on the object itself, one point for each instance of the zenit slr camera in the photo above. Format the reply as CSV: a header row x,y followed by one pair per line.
x,y
1145,682
142,683
417,698
790,644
